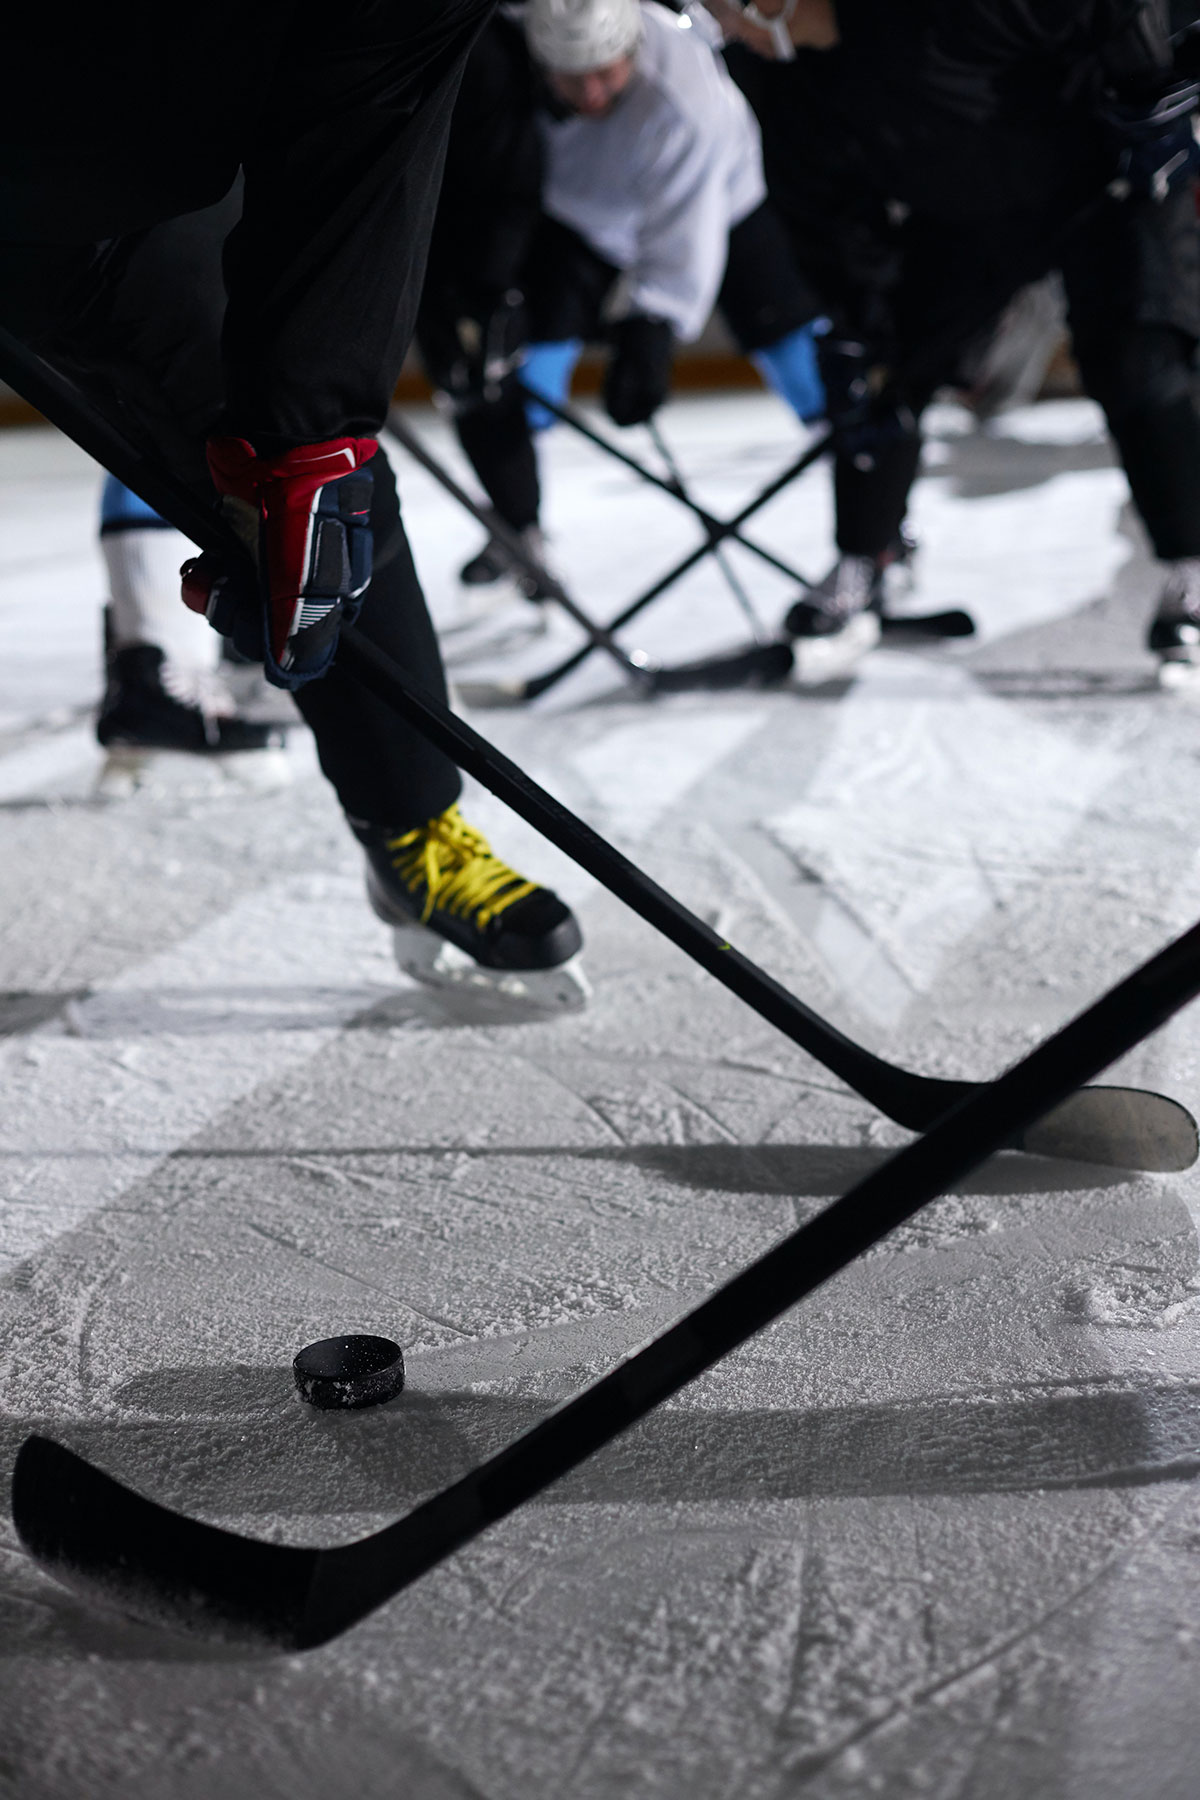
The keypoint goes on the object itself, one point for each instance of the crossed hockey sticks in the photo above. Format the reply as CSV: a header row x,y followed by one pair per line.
x,y
756,666
95,1534
1122,1127
951,623
716,531
719,531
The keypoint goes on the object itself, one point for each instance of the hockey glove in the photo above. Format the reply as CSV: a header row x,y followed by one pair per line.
x,y
1154,141
305,516
474,351
638,378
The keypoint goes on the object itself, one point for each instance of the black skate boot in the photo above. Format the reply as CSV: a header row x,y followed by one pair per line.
x,y
494,563
837,622
151,706
489,566
1175,633
494,617
464,919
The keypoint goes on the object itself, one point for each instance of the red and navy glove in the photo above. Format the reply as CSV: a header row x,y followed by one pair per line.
x,y
305,515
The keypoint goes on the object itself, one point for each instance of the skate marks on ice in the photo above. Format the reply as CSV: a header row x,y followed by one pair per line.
x,y
638,772
102,1085
1022,1439
933,807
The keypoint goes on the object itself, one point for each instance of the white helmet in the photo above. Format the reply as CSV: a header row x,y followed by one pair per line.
x,y
574,35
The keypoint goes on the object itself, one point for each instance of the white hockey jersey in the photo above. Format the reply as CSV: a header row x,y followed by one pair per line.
x,y
655,186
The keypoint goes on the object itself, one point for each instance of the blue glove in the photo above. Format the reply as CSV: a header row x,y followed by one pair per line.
x,y
790,368
1154,140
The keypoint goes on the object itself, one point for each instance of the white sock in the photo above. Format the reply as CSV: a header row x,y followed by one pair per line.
x,y
143,580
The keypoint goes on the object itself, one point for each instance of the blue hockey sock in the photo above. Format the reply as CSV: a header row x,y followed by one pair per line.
x,y
791,370
547,369
122,510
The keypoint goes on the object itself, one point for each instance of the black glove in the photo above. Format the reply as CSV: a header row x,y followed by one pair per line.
x,y
474,349
638,378
868,415
1154,141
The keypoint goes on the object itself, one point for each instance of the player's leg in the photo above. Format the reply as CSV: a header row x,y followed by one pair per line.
x,y
431,875
565,285
145,351
1132,273
164,689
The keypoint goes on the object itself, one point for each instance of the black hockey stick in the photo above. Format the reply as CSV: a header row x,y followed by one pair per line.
x,y
952,623
718,530
716,533
94,1533
720,557
1122,1127
754,667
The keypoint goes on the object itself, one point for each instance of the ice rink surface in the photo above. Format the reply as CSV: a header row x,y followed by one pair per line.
x,y
937,1533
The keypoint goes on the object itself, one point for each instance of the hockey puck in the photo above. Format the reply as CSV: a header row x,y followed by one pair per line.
x,y
349,1371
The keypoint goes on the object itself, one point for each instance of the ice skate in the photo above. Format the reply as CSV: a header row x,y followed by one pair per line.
x,y
837,622
495,564
466,921
153,708
1175,632
495,614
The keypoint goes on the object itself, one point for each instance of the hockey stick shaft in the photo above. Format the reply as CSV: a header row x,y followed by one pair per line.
x,y
511,541
793,1269
541,683
717,529
375,670
762,663
720,556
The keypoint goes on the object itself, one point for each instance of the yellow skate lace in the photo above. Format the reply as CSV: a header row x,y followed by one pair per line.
x,y
457,868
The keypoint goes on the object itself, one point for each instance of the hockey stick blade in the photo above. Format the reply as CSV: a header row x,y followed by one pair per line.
x,y
94,1533
952,624
762,665
1127,1128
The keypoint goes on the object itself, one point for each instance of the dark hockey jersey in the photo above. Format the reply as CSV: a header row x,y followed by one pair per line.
x,y
974,106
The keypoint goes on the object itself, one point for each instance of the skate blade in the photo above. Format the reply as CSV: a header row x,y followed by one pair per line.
x,y
123,773
507,625
433,962
822,659
487,694
127,769
1179,675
